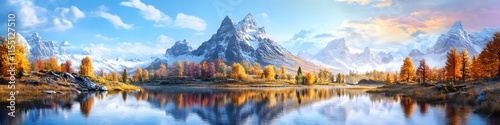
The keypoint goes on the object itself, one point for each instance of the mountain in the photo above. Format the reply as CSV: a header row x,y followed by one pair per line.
x,y
44,49
337,56
179,48
242,41
456,37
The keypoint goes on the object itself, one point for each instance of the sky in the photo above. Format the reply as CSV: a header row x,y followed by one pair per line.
x,y
135,28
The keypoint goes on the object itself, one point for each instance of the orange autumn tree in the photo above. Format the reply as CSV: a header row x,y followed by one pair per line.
x,y
452,66
423,71
490,58
269,72
465,65
238,72
86,67
476,68
309,78
407,70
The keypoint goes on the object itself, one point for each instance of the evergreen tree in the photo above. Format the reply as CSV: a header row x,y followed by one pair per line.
x,y
124,75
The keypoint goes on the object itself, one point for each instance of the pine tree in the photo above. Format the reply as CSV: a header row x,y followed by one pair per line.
x,y
299,76
407,70
453,66
124,75
465,65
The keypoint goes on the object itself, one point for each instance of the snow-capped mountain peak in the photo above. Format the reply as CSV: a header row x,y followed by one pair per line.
x,y
179,48
248,24
457,28
226,25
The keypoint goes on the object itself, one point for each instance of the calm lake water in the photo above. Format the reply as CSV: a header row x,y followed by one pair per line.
x,y
278,106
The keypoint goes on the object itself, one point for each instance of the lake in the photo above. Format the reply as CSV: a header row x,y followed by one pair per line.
x,y
247,106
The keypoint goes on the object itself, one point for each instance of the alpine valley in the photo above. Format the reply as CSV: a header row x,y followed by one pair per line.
x,y
245,40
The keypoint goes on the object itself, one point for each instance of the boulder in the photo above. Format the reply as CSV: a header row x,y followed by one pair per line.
x,y
88,85
102,88
49,91
480,97
68,76
75,91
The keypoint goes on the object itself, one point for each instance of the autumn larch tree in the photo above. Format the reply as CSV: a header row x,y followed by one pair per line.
x,y
388,79
238,72
40,63
179,69
114,76
465,65
453,66
476,68
68,67
269,73
490,58
86,67
138,74
283,72
423,71
145,75
54,64
309,78
18,57
407,70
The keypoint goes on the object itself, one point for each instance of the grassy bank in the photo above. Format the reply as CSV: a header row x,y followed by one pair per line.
x,y
483,96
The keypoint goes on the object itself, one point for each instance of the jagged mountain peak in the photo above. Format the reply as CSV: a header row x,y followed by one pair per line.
x,y
180,47
337,43
457,27
226,25
415,53
248,23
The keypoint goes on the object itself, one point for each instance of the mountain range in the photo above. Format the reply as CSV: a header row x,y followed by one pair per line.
x,y
336,54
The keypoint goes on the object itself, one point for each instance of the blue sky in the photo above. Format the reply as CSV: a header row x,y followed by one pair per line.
x,y
143,28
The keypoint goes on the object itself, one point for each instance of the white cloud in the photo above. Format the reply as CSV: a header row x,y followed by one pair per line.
x,y
190,22
29,13
103,37
165,41
149,12
33,17
77,14
61,24
115,20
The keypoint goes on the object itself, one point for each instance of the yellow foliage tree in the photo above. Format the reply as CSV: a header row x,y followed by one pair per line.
x,y
238,72
86,67
388,79
145,74
407,70
53,64
138,75
309,78
114,76
13,52
476,68
269,73
283,72
453,66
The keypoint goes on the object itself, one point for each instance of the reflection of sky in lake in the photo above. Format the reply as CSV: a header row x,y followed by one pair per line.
x,y
261,106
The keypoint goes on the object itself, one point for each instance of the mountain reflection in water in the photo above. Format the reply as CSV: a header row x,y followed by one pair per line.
x,y
191,105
